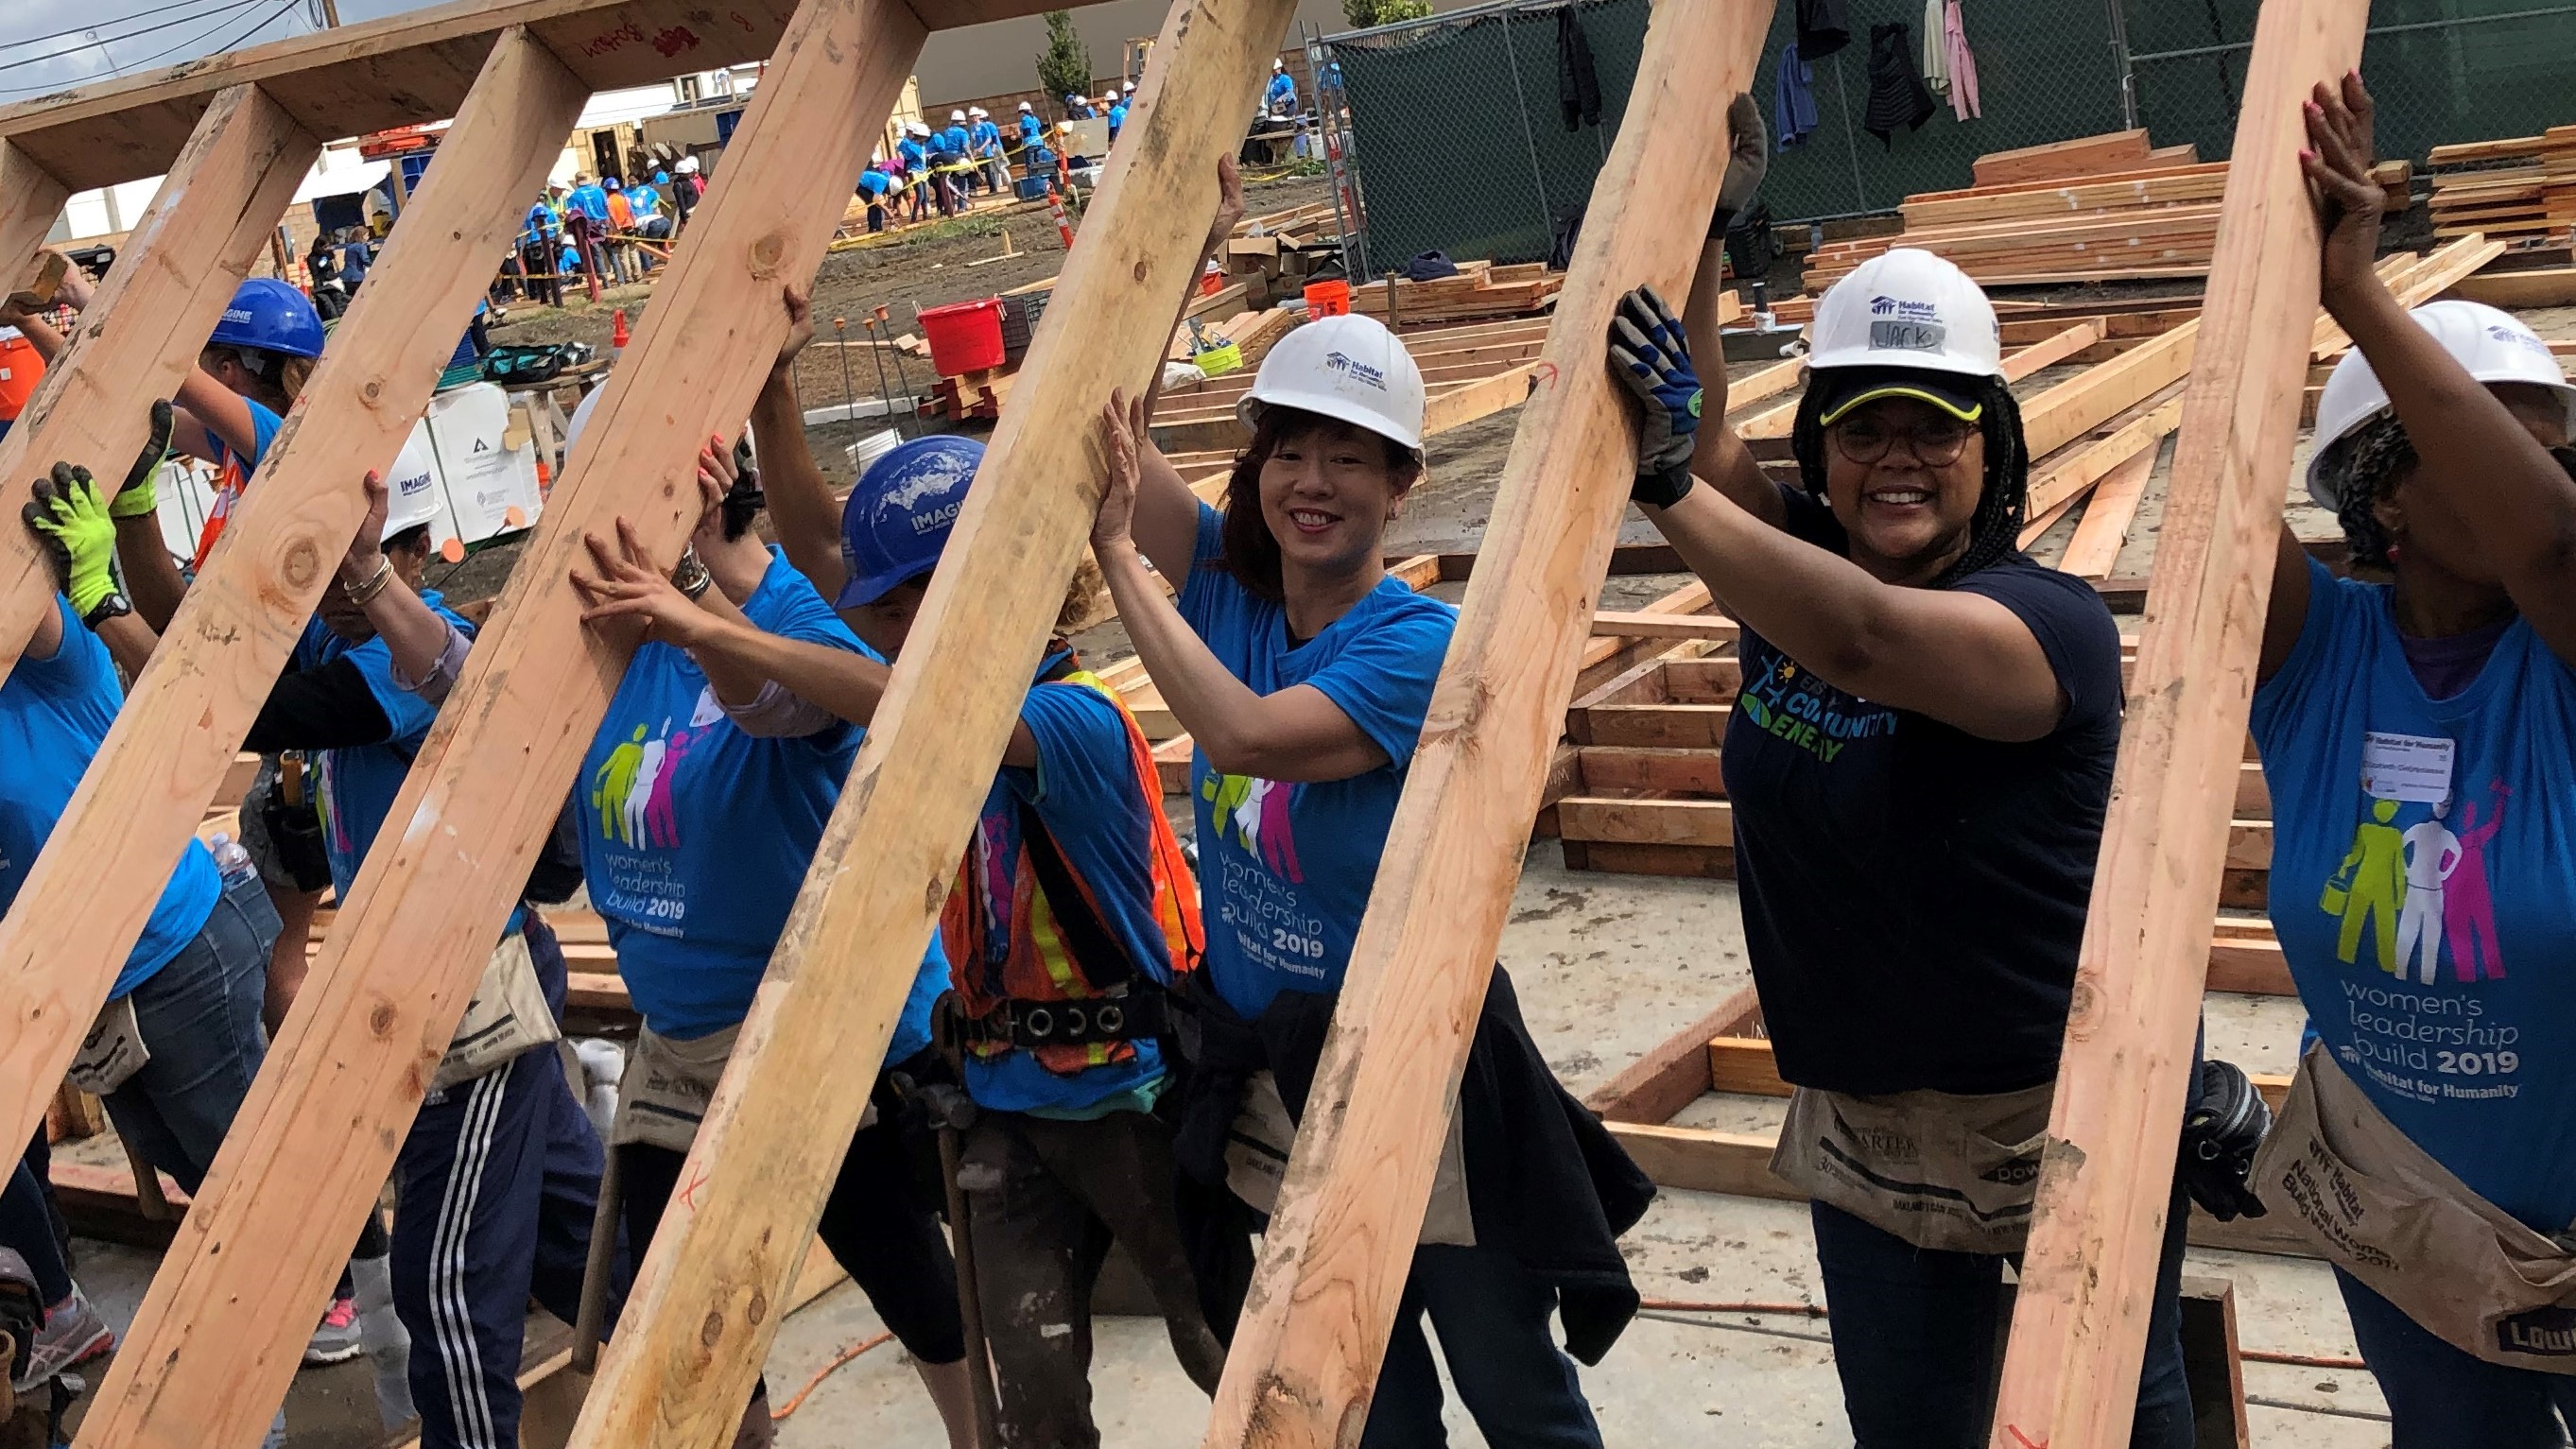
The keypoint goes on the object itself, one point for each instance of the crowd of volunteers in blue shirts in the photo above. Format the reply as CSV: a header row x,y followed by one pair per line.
x,y
1919,761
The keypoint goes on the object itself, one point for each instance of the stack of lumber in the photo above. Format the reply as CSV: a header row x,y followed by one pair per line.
x,y
1276,254
1469,372
2523,187
2023,223
1480,290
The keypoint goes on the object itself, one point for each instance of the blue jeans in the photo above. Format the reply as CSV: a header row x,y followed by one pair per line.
x,y
200,1020
1917,1332
1492,1315
2439,1397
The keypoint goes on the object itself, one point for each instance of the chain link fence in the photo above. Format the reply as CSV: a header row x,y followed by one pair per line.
x,y
1455,137
2440,71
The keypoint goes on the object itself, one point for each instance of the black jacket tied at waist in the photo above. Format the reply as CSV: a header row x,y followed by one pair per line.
x,y
1546,1182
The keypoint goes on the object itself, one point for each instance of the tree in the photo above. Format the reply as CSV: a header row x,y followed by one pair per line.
x,y
1065,68
1365,13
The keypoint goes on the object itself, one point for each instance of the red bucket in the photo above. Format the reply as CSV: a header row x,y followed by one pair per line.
x,y
965,337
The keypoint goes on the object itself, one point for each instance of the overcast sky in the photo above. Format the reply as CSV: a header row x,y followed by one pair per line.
x,y
50,45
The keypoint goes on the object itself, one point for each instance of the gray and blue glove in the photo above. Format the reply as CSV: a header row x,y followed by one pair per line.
x,y
1650,353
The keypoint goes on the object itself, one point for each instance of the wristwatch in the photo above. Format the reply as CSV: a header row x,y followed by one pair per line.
x,y
114,606
691,576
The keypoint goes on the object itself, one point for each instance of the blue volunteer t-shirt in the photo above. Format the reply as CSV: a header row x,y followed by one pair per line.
x,y
874,183
985,137
2422,891
954,139
1285,869
695,835
1086,794
53,714
1032,130
359,783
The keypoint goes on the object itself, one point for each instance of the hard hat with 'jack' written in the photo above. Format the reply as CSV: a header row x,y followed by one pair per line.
x,y
2495,346
1349,368
1907,308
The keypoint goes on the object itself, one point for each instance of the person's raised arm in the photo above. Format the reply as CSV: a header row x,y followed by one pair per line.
x,y
79,531
2517,501
428,651
1167,512
1721,459
1960,658
1297,734
802,510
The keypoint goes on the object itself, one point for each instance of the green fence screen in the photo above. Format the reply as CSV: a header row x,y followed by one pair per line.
x,y
1458,140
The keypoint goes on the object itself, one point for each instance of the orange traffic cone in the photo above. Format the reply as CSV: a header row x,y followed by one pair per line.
x,y
617,332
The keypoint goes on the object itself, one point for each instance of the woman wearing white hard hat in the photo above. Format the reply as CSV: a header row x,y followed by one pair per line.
x,y
2418,735
1919,763
1303,673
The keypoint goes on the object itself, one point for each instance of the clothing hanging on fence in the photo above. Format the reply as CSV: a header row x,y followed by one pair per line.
x,y
1897,95
1823,28
1793,99
1961,63
1936,55
1578,84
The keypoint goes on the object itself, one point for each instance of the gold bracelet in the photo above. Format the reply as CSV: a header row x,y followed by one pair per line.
x,y
365,593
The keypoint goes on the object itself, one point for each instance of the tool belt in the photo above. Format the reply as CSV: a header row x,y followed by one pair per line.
x,y
112,1052
1945,1172
1256,1164
507,1017
1128,1014
2382,1209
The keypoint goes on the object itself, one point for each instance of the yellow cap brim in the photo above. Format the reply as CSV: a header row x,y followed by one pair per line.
x,y
1841,410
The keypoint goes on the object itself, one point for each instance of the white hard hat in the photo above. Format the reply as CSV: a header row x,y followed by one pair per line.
x,y
1348,367
956,115
2493,345
1277,64
1027,107
1910,309
915,128
411,485
1128,86
688,164
977,111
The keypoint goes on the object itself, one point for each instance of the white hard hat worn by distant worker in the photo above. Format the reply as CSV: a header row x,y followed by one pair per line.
x,y
1349,368
2493,345
1906,324
956,115
1025,106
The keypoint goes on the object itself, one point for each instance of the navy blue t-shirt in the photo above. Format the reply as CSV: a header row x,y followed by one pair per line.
x,y
1914,896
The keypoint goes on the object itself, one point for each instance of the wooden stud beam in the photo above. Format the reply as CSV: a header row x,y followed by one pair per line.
x,y
699,1319
140,337
219,1335
2071,1371
1305,1357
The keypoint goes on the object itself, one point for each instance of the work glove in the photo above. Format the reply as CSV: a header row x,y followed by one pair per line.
x,y
137,497
71,521
1650,353
2221,1132
1748,160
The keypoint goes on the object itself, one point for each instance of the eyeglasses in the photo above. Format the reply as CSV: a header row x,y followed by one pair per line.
x,y
1866,439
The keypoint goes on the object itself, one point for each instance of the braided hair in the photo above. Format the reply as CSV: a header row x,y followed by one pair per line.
x,y
2364,468
1994,531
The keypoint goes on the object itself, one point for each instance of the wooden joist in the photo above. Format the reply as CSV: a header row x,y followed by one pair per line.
x,y
1334,1260
2058,160
2079,1328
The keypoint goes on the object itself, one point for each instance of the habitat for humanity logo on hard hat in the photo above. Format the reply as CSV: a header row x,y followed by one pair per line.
x,y
1905,326
2522,338
1353,368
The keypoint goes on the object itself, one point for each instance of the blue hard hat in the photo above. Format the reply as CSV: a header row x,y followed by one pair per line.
x,y
898,518
271,316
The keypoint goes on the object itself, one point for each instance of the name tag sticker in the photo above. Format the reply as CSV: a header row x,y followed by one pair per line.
x,y
2410,768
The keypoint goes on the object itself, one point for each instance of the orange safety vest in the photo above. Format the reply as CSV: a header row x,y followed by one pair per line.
x,y
621,212
1040,963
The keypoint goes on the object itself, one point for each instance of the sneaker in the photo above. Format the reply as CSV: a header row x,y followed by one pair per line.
x,y
73,1334
336,1340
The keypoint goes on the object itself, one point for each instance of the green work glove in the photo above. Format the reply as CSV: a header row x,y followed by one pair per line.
x,y
136,497
72,522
